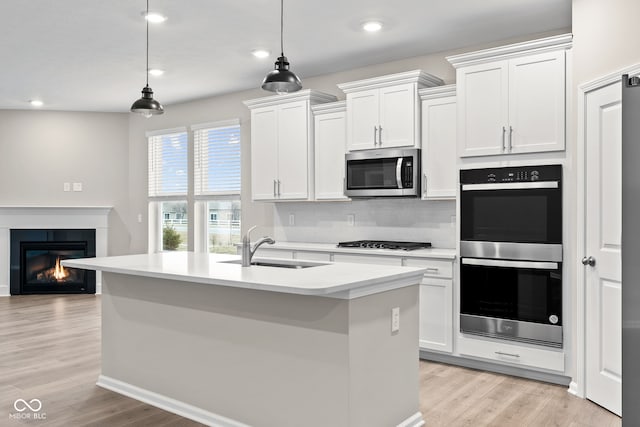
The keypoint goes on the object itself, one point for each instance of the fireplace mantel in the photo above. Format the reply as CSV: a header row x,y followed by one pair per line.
x,y
41,217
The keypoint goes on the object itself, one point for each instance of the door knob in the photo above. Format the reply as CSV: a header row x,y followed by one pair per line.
x,y
589,261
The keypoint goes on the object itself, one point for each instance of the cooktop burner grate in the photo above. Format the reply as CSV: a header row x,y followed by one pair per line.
x,y
384,244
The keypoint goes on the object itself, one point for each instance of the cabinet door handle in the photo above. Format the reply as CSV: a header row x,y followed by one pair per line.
x,y
274,188
433,269
424,184
504,131
510,138
278,187
380,135
375,135
500,353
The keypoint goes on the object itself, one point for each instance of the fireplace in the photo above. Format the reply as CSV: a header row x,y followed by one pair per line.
x,y
36,256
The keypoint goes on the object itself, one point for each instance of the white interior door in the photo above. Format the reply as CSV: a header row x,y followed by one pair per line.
x,y
603,225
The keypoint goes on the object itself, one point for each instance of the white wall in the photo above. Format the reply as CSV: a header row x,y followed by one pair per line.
x,y
41,150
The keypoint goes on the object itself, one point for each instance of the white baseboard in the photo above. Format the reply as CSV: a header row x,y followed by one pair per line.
x,y
414,420
573,389
4,291
168,404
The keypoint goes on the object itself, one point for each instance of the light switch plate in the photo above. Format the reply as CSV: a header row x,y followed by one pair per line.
x,y
66,186
77,186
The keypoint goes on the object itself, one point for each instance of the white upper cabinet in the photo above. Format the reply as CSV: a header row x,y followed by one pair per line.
x,y
282,165
384,112
511,99
330,144
439,163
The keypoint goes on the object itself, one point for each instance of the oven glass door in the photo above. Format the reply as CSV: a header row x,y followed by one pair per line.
x,y
380,173
522,215
514,290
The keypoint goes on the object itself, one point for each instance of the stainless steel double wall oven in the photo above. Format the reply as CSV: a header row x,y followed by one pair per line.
x,y
511,253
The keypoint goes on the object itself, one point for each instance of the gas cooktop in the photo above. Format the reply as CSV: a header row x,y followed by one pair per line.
x,y
384,244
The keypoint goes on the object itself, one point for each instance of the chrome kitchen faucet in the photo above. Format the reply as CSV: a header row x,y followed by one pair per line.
x,y
247,251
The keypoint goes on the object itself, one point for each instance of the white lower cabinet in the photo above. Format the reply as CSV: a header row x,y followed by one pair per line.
x,y
436,314
512,354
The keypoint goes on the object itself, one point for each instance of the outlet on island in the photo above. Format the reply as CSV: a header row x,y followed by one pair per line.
x,y
395,319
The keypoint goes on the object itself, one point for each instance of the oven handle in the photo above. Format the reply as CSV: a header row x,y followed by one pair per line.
x,y
511,264
511,186
399,171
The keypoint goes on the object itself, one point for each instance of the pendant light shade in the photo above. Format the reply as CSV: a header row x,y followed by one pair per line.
x,y
146,105
281,80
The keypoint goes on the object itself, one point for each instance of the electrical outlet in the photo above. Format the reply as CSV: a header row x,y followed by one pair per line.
x,y
351,220
395,319
66,186
77,186
139,218
292,219
453,221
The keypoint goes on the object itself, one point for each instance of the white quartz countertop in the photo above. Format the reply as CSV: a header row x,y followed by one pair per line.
x,y
337,280
331,247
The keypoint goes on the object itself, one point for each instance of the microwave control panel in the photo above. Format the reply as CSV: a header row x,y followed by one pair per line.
x,y
511,174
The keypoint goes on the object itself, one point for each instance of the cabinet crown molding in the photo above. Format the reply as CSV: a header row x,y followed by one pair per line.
x,y
560,42
416,76
437,92
313,96
330,107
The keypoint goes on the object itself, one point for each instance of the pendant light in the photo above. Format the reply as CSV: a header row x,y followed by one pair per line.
x,y
281,80
147,106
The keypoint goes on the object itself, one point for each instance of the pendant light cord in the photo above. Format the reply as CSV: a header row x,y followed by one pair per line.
x,y
281,27
147,19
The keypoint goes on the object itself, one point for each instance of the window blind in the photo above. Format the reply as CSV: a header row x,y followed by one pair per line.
x,y
168,164
217,160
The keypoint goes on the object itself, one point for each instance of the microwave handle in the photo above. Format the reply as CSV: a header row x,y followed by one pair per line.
x,y
399,171
510,264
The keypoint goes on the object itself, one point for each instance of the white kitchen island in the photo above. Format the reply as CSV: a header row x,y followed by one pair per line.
x,y
261,346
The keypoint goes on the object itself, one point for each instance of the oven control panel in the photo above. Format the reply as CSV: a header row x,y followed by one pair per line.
x,y
511,174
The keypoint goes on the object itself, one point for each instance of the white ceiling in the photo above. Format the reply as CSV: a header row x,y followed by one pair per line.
x,y
88,55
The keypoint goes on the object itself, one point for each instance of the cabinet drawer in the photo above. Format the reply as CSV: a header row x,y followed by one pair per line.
x,y
312,256
368,259
273,253
435,268
512,354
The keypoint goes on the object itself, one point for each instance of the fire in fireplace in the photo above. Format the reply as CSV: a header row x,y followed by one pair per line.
x,y
42,263
36,257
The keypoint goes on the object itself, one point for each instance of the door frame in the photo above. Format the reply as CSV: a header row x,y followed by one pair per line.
x,y
578,383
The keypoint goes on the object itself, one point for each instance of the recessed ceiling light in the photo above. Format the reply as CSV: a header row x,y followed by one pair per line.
x,y
156,72
260,53
36,103
154,17
372,26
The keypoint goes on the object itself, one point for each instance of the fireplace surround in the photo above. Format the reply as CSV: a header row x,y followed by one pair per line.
x,y
35,256
29,217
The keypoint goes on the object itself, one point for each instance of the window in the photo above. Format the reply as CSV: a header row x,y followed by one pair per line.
x,y
217,182
168,189
168,164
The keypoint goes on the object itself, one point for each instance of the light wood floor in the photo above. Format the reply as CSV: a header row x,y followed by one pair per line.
x,y
50,350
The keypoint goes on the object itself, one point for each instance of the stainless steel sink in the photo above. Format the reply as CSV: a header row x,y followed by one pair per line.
x,y
279,263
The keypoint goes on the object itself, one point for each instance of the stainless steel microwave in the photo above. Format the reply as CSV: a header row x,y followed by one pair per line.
x,y
385,172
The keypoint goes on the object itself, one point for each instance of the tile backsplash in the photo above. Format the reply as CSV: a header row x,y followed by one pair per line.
x,y
373,219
